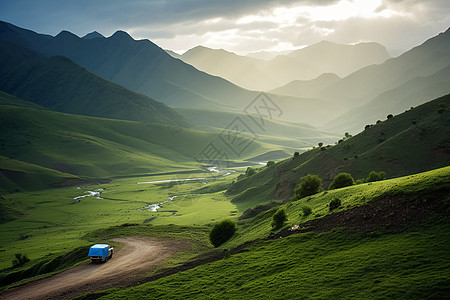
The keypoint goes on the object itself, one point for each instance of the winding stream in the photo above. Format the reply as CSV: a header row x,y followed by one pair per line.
x,y
95,193
155,207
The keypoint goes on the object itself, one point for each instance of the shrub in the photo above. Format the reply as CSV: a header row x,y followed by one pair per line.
x,y
270,163
296,154
279,218
306,210
20,260
360,181
250,171
335,203
389,116
309,185
320,144
342,180
376,176
222,232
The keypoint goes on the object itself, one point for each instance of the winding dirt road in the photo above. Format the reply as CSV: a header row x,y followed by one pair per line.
x,y
126,267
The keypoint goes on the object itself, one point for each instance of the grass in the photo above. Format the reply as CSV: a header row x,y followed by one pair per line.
x,y
51,222
353,196
396,146
319,266
344,264
80,146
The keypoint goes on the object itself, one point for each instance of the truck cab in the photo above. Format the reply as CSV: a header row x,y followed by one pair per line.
x,y
100,252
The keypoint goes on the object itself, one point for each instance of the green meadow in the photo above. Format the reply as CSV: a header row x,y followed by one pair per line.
x,y
53,222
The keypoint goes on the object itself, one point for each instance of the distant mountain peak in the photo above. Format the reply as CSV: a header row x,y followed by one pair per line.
x,y
66,34
121,35
93,35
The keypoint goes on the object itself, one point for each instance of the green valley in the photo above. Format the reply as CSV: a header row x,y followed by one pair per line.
x,y
335,184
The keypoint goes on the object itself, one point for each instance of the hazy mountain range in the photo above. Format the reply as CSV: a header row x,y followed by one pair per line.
x,y
143,67
303,64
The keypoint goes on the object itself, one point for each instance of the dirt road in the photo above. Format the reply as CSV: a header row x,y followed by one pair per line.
x,y
125,267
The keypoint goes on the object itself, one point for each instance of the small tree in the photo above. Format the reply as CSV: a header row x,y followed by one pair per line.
x,y
335,203
222,232
250,171
306,210
376,176
296,154
389,116
270,163
309,185
279,218
320,144
20,259
342,180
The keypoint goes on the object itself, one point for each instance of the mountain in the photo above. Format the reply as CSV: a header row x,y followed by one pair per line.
x,y
414,141
140,66
307,88
59,84
248,72
410,94
341,59
364,85
267,55
303,64
93,35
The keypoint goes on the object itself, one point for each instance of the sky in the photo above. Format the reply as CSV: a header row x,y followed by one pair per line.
x,y
240,26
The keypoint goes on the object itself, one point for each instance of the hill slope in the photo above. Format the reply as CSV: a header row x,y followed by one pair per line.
x,y
35,143
307,88
59,84
413,92
415,141
341,59
364,85
145,68
392,241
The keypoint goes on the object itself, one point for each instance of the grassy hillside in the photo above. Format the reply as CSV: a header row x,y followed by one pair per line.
x,y
59,84
63,145
288,135
392,241
364,85
414,141
412,93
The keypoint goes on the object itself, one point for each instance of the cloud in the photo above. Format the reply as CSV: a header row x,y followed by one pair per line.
x,y
241,26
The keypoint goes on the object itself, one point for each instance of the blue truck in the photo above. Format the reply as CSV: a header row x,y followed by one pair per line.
x,y
100,252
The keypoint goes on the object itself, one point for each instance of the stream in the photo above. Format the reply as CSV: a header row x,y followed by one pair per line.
x,y
95,193
155,207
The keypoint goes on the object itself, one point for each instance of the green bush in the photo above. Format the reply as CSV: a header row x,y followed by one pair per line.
x,y
250,171
360,181
222,232
279,218
342,180
376,176
335,203
306,210
270,163
309,185
20,260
